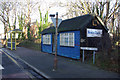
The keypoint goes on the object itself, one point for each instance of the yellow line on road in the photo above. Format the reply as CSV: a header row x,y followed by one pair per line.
x,y
30,75
10,57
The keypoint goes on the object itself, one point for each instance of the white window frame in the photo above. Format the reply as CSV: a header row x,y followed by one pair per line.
x,y
67,39
47,39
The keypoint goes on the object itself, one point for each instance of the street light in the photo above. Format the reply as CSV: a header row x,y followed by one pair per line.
x,y
56,32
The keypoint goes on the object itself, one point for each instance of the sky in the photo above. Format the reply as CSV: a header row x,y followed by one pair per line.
x,y
44,7
35,13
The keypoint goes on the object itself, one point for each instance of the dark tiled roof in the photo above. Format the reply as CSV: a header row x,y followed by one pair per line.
x,y
48,30
77,23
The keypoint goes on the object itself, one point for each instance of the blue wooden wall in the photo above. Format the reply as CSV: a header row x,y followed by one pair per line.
x,y
72,52
45,47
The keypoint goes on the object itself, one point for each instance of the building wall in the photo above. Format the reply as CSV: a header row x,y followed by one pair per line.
x,y
45,47
99,42
72,52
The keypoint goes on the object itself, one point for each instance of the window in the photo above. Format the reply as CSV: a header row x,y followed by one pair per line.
x,y
47,39
67,39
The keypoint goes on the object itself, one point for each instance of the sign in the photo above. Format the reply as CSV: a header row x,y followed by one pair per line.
x,y
89,48
54,21
94,33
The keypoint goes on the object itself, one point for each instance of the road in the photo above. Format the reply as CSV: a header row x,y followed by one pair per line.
x,y
16,69
11,69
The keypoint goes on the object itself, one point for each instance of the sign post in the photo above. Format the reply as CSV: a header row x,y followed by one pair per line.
x,y
89,48
55,61
93,57
83,55
56,23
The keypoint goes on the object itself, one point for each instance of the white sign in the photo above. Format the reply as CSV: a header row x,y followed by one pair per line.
x,y
54,21
94,33
89,48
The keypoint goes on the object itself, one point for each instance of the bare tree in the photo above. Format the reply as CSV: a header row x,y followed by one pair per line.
x,y
26,9
102,9
5,8
80,7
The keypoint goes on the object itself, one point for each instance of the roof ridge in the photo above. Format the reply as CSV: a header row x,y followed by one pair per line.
x,y
76,17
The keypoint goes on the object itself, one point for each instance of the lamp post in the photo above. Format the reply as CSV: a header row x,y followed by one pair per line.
x,y
56,32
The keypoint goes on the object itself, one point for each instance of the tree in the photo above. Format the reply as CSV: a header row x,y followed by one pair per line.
x,y
38,29
43,21
102,9
21,20
27,12
5,8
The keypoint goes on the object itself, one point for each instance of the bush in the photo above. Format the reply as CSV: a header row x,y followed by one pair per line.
x,y
108,62
30,44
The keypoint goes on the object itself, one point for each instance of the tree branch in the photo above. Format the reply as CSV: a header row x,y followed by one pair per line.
x,y
114,11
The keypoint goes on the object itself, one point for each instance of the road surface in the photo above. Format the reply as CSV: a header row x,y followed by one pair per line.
x,y
14,68
11,69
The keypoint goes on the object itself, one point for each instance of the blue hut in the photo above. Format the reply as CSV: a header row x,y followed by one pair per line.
x,y
87,31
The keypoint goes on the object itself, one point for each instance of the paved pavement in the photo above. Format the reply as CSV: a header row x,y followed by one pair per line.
x,y
67,68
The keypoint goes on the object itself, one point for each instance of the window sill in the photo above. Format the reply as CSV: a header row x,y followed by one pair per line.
x,y
47,44
67,46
